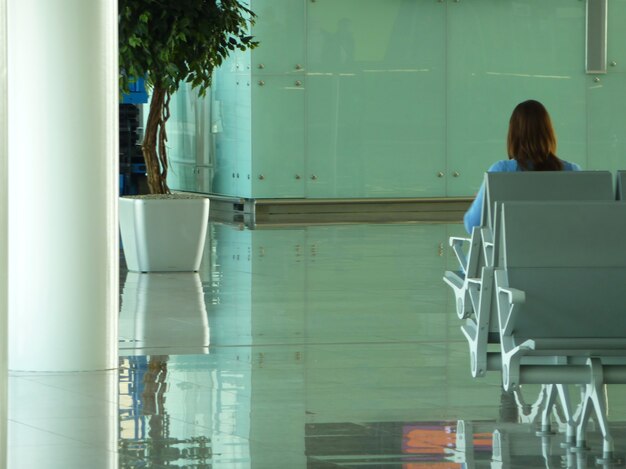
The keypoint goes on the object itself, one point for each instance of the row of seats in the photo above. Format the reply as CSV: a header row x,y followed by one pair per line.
x,y
539,288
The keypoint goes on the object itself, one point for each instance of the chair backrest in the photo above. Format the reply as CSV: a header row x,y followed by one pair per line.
x,y
570,260
620,184
544,185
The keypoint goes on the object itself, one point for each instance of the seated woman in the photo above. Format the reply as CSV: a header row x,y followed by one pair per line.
x,y
531,146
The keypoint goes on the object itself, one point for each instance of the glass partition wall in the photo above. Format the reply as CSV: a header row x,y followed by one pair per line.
x,y
396,98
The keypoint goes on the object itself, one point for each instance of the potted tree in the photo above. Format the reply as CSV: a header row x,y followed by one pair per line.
x,y
170,42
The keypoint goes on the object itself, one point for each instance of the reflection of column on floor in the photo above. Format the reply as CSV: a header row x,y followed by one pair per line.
x,y
164,310
63,420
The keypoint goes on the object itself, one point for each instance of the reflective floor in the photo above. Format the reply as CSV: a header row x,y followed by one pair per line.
x,y
308,347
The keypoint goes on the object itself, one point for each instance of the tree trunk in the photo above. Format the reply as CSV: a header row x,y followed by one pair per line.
x,y
154,148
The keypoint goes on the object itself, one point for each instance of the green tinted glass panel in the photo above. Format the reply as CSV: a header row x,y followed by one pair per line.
x,y
205,175
616,36
181,127
231,125
607,122
190,140
375,113
182,176
278,136
502,53
409,98
607,100
280,31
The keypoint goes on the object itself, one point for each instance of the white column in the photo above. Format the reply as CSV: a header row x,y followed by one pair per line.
x,y
3,233
63,235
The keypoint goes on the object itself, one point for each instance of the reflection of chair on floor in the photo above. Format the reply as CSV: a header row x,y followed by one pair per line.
x,y
478,255
507,444
499,442
561,303
510,447
469,435
511,435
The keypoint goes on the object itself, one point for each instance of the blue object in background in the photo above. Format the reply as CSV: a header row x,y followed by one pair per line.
x,y
132,165
138,93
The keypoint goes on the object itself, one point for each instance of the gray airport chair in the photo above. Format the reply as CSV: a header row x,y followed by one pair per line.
x,y
560,300
478,255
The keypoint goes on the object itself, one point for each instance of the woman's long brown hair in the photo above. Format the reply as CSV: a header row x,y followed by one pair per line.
x,y
531,140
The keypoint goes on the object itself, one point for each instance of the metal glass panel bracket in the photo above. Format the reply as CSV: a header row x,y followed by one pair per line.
x,y
595,53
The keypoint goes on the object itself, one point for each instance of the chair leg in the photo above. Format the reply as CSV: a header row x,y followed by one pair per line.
x,y
552,391
550,397
581,430
459,286
598,398
571,418
595,400
483,323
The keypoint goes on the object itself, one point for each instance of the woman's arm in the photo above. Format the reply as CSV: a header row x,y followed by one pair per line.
x,y
473,214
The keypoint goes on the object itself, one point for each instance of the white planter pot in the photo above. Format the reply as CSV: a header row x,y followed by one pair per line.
x,y
163,235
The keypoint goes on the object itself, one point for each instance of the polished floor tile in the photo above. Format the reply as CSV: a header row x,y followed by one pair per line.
x,y
300,347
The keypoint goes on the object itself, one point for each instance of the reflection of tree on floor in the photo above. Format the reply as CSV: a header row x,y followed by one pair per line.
x,y
159,447
155,385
